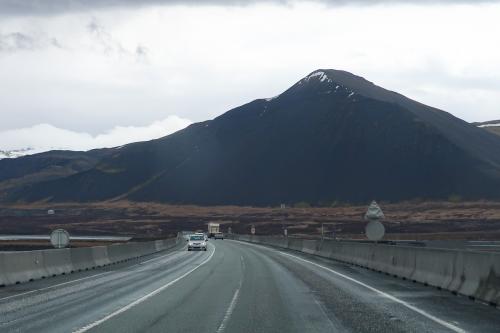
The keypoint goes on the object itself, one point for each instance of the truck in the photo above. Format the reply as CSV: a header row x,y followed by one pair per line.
x,y
213,228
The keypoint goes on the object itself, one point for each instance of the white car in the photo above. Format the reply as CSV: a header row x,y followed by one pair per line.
x,y
197,242
202,234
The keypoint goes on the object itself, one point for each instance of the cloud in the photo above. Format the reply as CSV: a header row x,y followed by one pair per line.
x,y
141,53
18,41
203,61
36,7
111,46
45,137
104,39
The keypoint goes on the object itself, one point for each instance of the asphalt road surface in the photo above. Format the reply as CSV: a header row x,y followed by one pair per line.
x,y
237,287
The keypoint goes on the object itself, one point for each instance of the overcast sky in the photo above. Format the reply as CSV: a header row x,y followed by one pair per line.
x,y
84,74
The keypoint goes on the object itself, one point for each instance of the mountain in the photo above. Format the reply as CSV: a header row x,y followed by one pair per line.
x,y
32,169
332,136
15,153
493,126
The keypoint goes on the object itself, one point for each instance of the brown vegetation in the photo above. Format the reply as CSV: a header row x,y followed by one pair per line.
x,y
409,220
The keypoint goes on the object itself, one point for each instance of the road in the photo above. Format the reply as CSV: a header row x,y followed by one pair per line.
x,y
237,287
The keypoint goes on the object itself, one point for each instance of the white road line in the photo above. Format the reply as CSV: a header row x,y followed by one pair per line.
x,y
229,311
142,299
232,305
55,285
381,293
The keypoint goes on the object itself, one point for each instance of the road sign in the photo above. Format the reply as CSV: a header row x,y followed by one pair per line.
x,y
374,230
51,212
374,212
59,238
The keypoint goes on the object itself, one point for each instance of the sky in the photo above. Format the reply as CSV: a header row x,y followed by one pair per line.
x,y
80,74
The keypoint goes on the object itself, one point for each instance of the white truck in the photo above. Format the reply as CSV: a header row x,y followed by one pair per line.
x,y
213,228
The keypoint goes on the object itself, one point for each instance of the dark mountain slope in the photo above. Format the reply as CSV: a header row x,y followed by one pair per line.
x,y
76,160
474,141
16,172
332,136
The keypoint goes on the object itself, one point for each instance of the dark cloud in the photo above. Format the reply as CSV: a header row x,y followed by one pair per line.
x,y
37,7
18,41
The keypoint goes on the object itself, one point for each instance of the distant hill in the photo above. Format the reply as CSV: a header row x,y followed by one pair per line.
x,y
17,171
14,153
493,126
332,136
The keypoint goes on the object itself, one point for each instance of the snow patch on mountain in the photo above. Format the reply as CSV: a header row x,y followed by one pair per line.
x,y
320,75
17,153
329,84
271,98
496,124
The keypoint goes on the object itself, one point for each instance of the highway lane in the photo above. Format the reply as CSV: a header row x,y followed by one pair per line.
x,y
237,287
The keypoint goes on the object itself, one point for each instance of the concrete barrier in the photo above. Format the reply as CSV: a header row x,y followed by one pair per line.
x,y
100,256
295,244
310,246
24,266
325,249
82,259
159,245
3,276
470,273
57,261
435,267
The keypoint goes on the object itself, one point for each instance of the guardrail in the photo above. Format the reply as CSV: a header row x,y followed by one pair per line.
x,y
23,266
470,273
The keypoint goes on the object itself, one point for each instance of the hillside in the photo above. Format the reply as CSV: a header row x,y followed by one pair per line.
x,y
332,136
409,220
492,126
56,164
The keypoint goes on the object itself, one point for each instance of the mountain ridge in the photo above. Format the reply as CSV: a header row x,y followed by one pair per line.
x,y
492,126
332,136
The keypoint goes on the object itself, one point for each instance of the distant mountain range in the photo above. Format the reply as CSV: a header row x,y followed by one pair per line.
x,y
493,126
15,153
332,136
